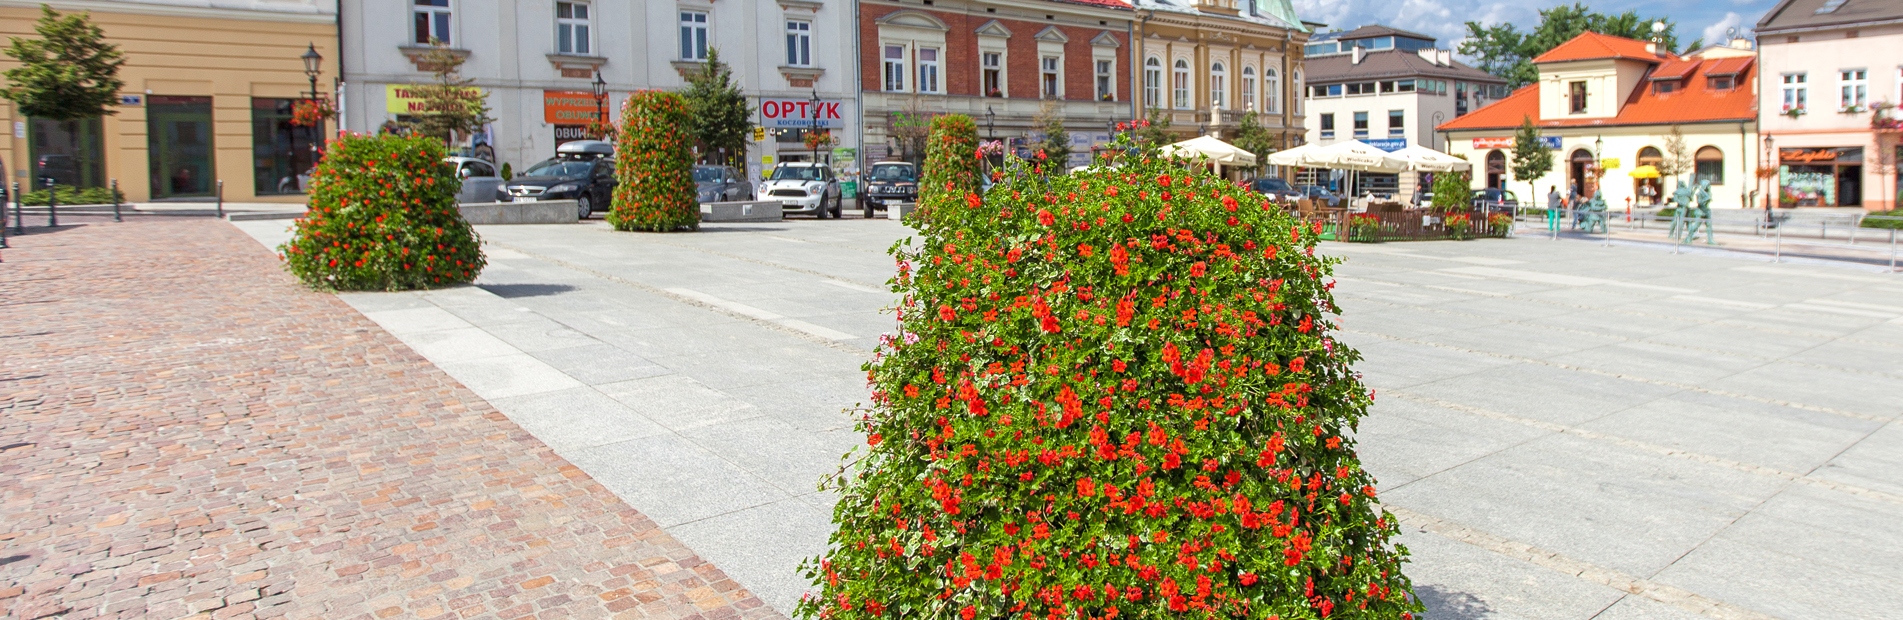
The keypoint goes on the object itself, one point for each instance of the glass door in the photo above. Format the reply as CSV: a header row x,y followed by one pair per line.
x,y
179,144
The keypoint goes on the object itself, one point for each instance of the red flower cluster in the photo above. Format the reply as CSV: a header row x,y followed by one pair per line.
x,y
654,166
383,216
1114,394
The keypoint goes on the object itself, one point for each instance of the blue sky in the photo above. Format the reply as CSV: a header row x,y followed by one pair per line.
x,y
1443,18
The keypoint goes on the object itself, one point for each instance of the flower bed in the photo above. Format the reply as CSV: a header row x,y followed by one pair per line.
x,y
383,217
1112,394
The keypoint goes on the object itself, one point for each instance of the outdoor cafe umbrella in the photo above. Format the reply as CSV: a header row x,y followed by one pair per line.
x,y
1644,172
1211,150
1291,157
1422,159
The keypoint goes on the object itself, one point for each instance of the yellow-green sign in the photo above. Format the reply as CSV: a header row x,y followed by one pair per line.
x,y
1611,163
403,98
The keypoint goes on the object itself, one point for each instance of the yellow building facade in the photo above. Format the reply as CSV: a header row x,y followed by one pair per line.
x,y
207,98
1206,63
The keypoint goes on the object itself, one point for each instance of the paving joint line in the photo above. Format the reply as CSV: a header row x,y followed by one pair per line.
x,y
692,301
1615,375
1670,595
1652,447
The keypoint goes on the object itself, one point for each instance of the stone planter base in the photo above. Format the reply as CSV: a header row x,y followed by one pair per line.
x,y
742,211
549,212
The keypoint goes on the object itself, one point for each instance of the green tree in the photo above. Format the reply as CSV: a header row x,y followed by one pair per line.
x,y
453,107
1070,423
721,120
1453,191
1055,145
70,73
1531,159
1154,130
1505,51
1251,136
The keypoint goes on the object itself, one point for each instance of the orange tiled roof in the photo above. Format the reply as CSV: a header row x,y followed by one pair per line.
x,y
1594,46
1694,102
1731,66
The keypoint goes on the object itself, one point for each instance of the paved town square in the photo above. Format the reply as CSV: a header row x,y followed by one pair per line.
x,y
1567,430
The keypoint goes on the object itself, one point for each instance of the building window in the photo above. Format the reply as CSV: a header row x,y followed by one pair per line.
x,y
799,44
1397,124
1710,165
1295,84
1328,126
1854,84
1664,87
1106,91
1796,91
1216,75
571,28
432,21
1361,125
895,68
1576,95
1050,80
993,65
693,35
1714,82
1248,88
1152,82
1181,84
281,149
1271,92
928,70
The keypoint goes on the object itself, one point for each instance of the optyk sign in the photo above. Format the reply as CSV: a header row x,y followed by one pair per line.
x,y
800,113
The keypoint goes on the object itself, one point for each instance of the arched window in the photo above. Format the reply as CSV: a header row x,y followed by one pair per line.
x,y
1216,75
1271,91
1496,169
1248,88
1710,165
1295,86
1181,84
1579,165
1152,82
1649,191
1649,156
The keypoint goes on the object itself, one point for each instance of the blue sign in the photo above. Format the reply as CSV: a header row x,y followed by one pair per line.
x,y
1390,144
1551,142
131,100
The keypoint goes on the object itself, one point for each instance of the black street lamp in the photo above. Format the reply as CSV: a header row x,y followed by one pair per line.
x,y
601,98
814,140
313,67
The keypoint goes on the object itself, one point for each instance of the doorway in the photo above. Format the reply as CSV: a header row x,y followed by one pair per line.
x,y
1579,164
179,144
1496,169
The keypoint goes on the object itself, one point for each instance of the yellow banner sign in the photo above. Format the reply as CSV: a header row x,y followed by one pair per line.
x,y
1610,163
404,98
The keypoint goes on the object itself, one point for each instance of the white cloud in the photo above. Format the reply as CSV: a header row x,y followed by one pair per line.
x,y
1715,33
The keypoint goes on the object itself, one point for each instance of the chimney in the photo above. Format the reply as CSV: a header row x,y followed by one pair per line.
x,y
1740,43
1446,57
1652,48
1359,52
1432,55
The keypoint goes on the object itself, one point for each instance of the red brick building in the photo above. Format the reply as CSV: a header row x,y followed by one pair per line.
x,y
1001,63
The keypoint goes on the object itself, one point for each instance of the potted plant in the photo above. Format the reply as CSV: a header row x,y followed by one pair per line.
x,y
1459,226
1364,227
311,112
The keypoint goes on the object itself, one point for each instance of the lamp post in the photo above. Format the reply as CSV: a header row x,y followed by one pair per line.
x,y
313,67
814,139
601,99
1775,196
1598,161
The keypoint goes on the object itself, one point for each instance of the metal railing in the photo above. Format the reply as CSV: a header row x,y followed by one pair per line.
x,y
1848,235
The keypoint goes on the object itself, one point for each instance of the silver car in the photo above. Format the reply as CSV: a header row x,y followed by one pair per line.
x,y
479,179
720,184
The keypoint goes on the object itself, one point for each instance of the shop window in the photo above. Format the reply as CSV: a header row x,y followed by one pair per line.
x,y
693,35
179,145
432,21
1709,165
572,28
282,152
69,153
1152,82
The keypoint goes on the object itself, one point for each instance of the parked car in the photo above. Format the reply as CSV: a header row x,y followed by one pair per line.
x,y
803,187
1320,194
890,182
582,171
1493,199
480,181
1274,187
720,184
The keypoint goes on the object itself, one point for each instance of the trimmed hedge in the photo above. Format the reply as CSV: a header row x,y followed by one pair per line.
x,y
1112,394
951,164
71,196
383,217
654,166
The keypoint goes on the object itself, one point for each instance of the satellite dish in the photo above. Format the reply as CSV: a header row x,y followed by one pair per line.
x,y
1731,33
1658,26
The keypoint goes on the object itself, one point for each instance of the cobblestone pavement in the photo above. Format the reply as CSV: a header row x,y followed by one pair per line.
x,y
185,432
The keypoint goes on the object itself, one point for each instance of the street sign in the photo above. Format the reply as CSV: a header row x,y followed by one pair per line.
x,y
1551,142
759,134
1610,163
845,153
569,107
1389,144
766,159
801,113
131,100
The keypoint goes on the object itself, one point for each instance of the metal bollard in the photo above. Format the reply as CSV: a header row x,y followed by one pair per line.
x,y
115,201
221,199
19,219
1893,249
52,206
1778,250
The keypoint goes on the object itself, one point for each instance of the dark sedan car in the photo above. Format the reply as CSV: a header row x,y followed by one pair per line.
x,y
581,171
890,182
